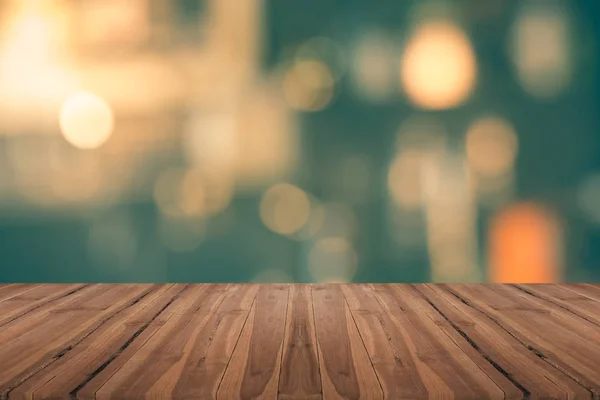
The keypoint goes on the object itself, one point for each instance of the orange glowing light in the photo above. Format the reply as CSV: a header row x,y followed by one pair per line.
x,y
525,246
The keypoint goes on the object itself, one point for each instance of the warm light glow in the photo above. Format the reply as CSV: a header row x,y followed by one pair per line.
x,y
210,140
372,68
285,208
541,49
451,222
267,142
525,245
34,78
421,141
191,193
438,69
86,120
136,86
332,259
405,179
327,51
166,191
491,146
113,22
308,85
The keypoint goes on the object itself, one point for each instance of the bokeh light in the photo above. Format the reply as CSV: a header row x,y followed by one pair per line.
x,y
399,139
332,259
373,67
540,46
191,192
451,220
210,140
491,146
113,22
421,141
34,77
267,144
86,120
327,51
308,85
284,208
405,179
525,245
438,68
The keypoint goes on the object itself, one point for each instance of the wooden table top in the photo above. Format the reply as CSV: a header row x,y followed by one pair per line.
x,y
292,341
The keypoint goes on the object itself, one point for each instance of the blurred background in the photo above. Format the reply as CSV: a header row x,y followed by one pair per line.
x,y
299,141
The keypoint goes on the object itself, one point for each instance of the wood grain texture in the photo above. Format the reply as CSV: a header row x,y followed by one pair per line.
x,y
65,375
437,358
299,378
536,378
253,371
18,300
324,341
47,333
346,371
562,339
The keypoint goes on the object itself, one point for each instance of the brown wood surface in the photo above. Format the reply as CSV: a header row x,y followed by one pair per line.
x,y
287,341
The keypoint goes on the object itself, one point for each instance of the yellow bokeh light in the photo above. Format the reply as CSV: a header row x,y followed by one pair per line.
x,y
285,208
86,120
438,69
332,259
308,85
491,146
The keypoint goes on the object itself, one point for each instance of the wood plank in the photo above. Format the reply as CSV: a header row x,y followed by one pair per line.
x,y
566,341
14,289
445,363
154,370
385,345
183,307
208,359
299,378
62,378
539,379
570,300
25,299
591,291
326,341
58,329
346,371
253,370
